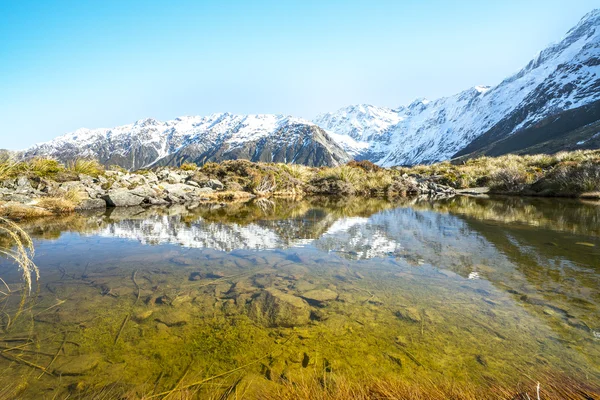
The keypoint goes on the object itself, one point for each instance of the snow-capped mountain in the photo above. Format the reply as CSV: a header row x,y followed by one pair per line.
x,y
562,77
553,103
148,142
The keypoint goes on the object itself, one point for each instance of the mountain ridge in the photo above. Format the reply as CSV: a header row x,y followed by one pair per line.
x,y
561,78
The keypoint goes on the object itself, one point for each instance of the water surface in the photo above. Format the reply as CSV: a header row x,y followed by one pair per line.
x,y
473,291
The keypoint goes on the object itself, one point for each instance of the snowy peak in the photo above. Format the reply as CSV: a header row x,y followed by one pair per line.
x,y
149,142
361,122
562,77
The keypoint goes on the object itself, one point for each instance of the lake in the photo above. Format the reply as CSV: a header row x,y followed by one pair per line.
x,y
244,299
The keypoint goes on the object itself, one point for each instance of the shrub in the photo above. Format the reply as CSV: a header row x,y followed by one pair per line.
x,y
44,167
365,165
573,178
509,180
188,167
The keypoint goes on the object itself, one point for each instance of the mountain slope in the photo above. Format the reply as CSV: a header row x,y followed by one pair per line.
x,y
562,77
269,138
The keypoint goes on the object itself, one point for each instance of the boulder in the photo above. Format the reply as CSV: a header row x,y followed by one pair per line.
x,y
214,184
77,365
23,183
409,314
180,192
91,204
122,198
275,308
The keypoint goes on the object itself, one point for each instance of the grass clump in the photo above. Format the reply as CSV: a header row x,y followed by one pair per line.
x,y
17,211
188,167
57,205
86,167
560,174
22,252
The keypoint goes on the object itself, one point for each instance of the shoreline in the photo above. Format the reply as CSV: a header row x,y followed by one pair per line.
x,y
45,187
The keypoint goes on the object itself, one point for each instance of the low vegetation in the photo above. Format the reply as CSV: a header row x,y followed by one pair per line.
x,y
570,174
20,250
49,168
567,174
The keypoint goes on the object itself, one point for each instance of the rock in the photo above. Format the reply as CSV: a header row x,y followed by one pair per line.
x,y
145,191
182,192
142,315
195,276
91,204
23,183
174,319
181,300
214,184
319,296
17,198
77,365
409,314
174,178
274,308
122,198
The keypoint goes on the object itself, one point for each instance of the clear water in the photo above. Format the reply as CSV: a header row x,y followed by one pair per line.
x,y
475,291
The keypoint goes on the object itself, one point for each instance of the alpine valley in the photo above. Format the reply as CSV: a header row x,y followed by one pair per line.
x,y
552,104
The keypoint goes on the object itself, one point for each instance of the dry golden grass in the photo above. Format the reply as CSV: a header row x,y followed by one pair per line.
x,y
85,166
57,205
565,172
340,388
188,167
17,211
22,250
330,386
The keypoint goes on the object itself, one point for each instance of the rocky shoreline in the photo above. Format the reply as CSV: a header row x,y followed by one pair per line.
x,y
162,187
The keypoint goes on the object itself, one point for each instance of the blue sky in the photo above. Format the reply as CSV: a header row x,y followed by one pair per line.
x,y
71,64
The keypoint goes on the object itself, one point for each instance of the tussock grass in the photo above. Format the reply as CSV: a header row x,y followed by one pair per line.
x,y
17,211
8,168
57,205
188,167
563,174
22,252
85,166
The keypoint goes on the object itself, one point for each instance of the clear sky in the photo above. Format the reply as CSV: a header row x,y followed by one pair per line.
x,y
90,63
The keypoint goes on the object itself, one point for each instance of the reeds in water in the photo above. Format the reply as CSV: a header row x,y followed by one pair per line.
x,y
22,251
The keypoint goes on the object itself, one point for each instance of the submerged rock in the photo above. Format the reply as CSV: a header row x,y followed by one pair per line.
x,y
409,314
78,365
275,308
320,296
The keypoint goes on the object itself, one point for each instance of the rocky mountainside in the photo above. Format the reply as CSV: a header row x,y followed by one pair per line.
x,y
563,77
218,137
544,107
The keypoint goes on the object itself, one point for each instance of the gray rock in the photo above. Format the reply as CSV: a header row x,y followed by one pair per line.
x,y
275,308
17,198
122,198
214,184
91,204
151,178
23,183
144,191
